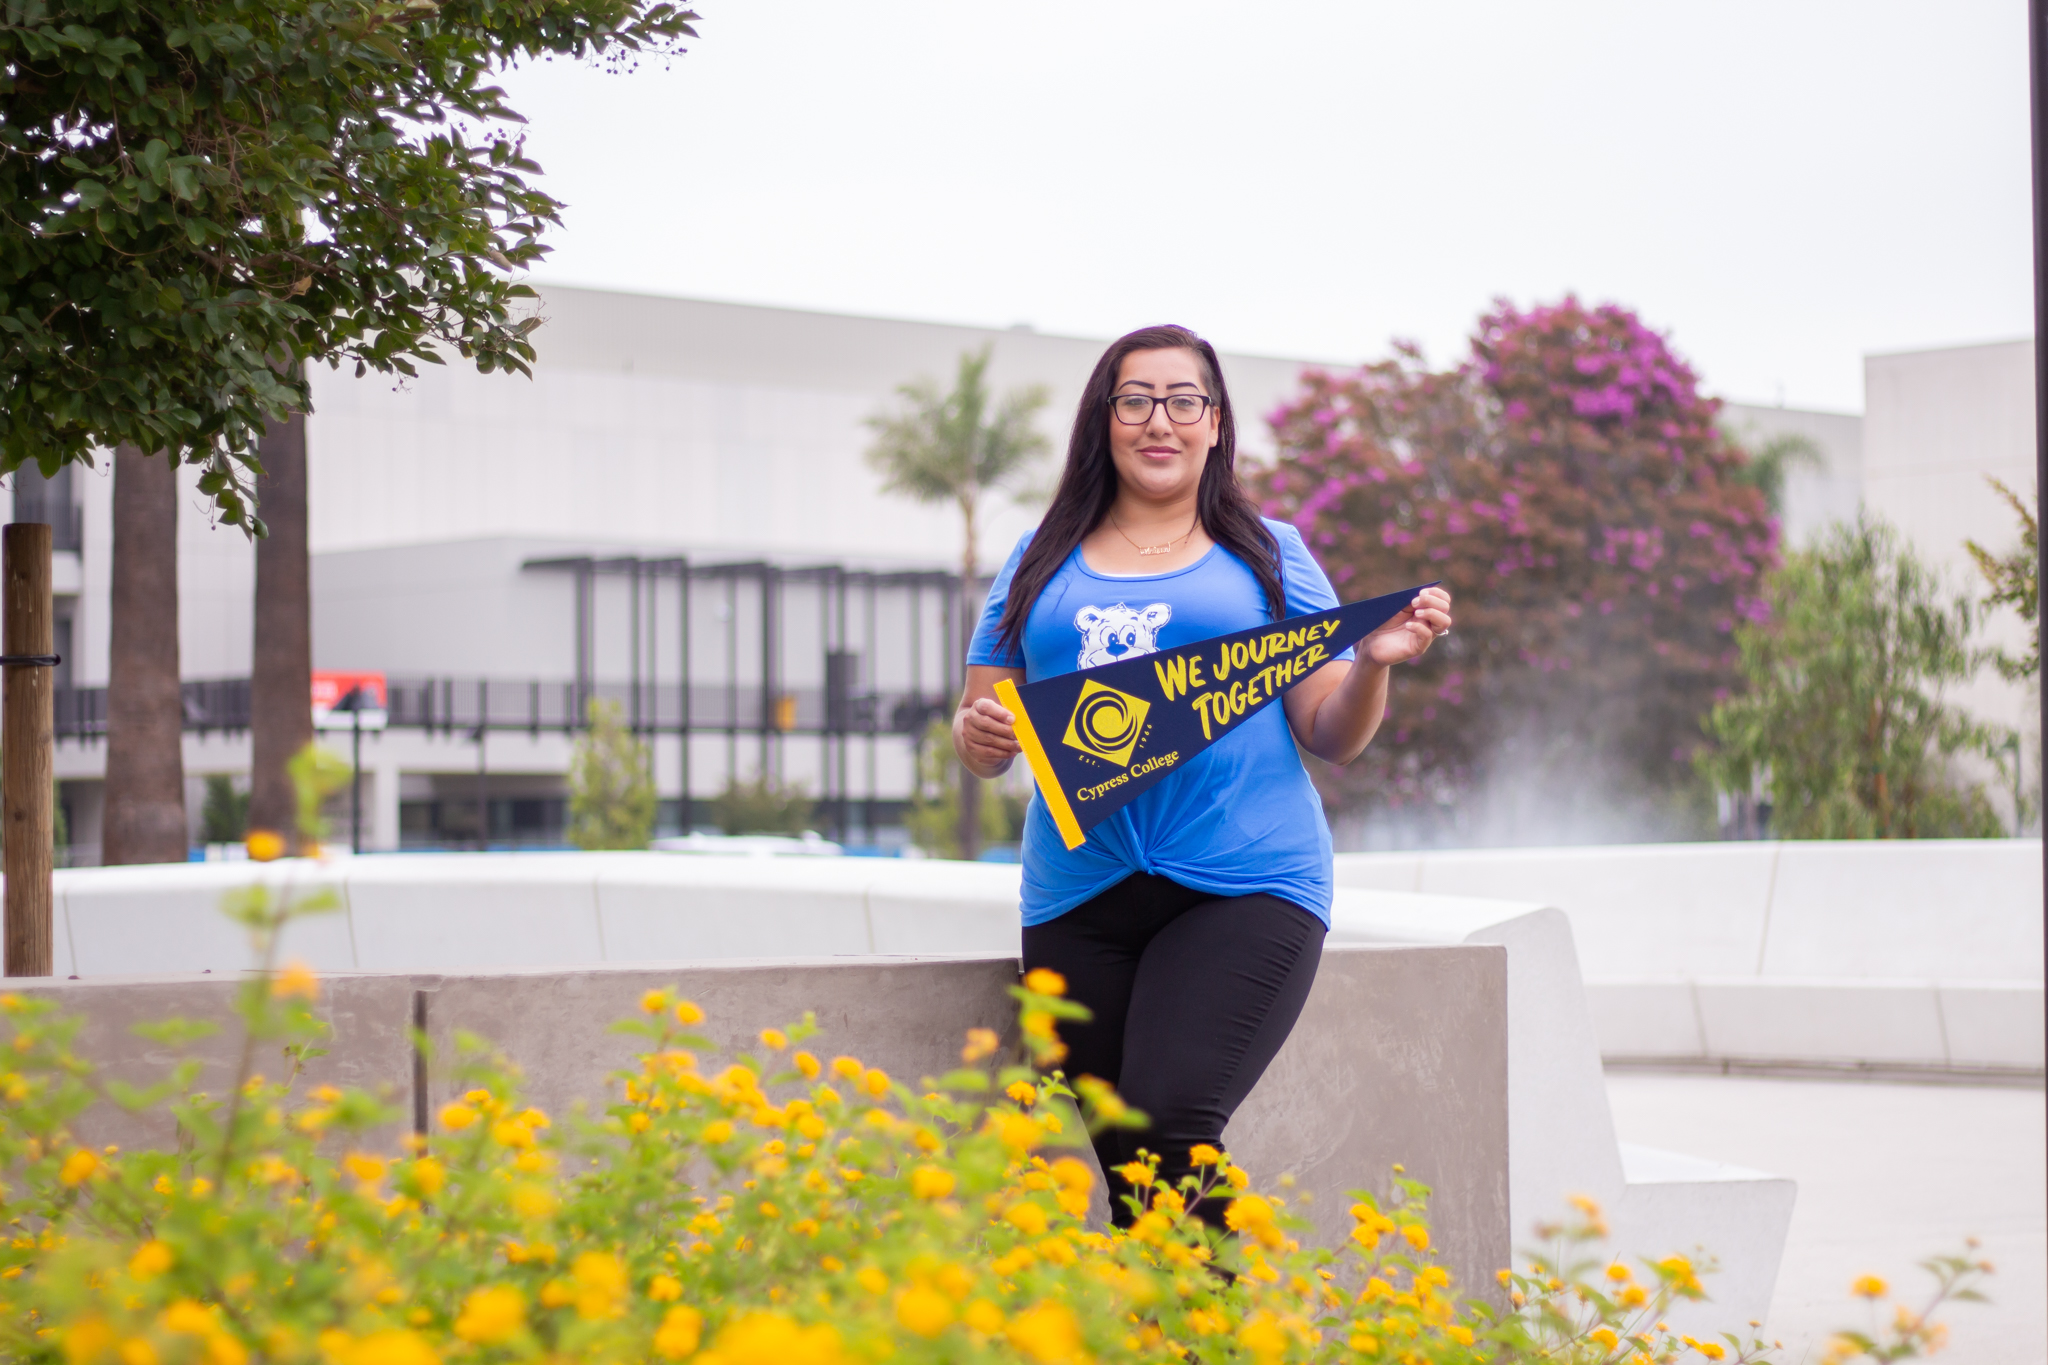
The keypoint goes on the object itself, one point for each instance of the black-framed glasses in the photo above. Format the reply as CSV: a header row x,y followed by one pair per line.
x,y
1182,409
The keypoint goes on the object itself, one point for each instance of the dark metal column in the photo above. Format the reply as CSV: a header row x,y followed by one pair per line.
x,y
683,811
2037,73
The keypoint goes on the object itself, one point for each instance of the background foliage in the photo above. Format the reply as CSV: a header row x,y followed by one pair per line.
x,y
205,193
762,806
1843,719
612,800
2015,582
1602,538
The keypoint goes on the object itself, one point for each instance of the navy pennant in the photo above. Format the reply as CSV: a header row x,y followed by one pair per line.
x,y
1098,737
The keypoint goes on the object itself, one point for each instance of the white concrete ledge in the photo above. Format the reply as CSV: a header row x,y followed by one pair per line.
x,y
1919,955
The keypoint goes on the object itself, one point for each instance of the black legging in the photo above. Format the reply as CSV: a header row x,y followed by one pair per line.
x,y
1192,995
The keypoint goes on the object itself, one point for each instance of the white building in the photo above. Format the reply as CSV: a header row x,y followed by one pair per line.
x,y
660,429
654,429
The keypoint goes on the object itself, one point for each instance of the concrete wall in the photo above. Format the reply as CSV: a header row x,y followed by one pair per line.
x,y
1401,1055
1815,496
1915,954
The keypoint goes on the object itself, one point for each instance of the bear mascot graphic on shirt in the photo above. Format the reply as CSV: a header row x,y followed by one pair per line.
x,y
1119,632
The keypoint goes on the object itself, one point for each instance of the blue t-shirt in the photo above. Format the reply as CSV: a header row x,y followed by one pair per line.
x,y
1239,818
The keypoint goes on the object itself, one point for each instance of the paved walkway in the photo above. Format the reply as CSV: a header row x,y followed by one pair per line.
x,y
1888,1175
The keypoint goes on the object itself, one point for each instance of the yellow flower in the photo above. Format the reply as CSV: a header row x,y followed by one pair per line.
x,y
429,1176
848,1067
138,1351
984,1317
872,1279
87,1340
367,1170
1202,1154
187,1317
1045,981
664,1289
931,1182
1027,1218
1136,1173
1237,1177
296,980
532,1201
808,1065
1712,1350
1016,1132
264,845
716,1132
654,1002
1416,1235
1169,1201
1619,1273
150,1260
1263,1336
687,1014
1680,1273
876,1082
774,1039
771,1339
1604,1338
1047,1333
680,1329
1635,1296
393,1347
924,1310
601,1285
457,1116
491,1315
980,1043
78,1167
1023,1092
1869,1287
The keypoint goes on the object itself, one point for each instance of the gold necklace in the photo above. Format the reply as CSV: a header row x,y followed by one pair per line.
x,y
1165,549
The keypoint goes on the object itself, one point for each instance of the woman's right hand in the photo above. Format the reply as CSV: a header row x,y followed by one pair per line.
x,y
984,731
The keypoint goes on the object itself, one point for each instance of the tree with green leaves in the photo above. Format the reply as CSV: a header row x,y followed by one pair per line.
x,y
2014,582
1843,720
611,784
206,195
964,447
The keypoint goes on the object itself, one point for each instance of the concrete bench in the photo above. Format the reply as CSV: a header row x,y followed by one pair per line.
x,y
1401,1056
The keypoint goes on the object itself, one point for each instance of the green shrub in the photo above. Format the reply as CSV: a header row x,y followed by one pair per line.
x,y
224,816
773,1208
611,784
762,806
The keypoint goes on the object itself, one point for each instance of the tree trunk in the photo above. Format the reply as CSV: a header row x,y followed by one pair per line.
x,y
969,832
145,803
281,683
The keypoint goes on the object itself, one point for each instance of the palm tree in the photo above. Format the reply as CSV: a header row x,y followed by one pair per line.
x,y
950,447
145,811
281,680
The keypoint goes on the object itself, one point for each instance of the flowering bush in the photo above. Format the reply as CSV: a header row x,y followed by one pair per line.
x,y
779,1208
1569,484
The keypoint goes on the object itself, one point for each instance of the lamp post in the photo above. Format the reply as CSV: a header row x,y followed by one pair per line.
x,y
353,702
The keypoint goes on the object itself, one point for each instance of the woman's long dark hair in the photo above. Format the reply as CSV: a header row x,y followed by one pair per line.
x,y
1088,486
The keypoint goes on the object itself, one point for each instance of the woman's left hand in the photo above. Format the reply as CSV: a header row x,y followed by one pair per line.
x,y
1409,635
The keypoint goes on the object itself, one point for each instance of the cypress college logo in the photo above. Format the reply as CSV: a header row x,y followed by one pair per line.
x,y
1106,723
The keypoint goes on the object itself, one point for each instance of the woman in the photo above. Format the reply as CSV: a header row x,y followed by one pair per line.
x,y
1191,921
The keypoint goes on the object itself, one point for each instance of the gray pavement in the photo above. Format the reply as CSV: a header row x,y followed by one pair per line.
x,y
1888,1175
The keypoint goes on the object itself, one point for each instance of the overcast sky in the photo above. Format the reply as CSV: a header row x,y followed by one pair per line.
x,y
1781,186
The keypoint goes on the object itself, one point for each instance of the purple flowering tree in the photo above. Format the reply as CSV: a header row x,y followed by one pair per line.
x,y
1569,483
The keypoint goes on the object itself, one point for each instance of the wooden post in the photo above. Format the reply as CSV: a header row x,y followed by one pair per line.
x,y
27,765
